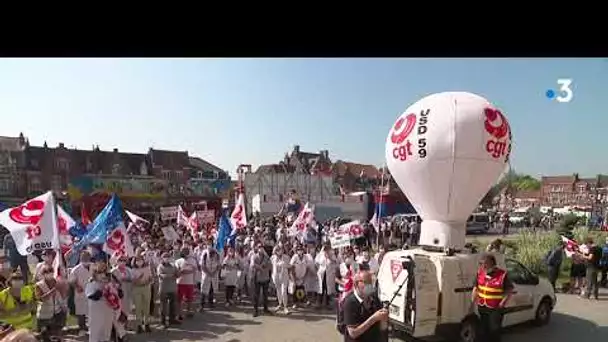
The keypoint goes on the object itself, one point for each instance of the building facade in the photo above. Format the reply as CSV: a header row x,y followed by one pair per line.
x,y
314,177
573,190
12,165
144,181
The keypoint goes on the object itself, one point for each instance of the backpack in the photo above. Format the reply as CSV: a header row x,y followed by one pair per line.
x,y
551,259
547,258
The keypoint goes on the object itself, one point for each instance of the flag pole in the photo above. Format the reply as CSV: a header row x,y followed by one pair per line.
x,y
58,255
379,208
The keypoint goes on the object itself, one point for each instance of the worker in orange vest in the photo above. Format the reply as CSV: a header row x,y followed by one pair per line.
x,y
491,293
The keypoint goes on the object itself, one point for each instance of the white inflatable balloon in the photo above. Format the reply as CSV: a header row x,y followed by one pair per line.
x,y
445,152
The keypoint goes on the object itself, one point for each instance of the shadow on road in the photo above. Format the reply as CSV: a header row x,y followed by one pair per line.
x,y
562,328
208,325
302,314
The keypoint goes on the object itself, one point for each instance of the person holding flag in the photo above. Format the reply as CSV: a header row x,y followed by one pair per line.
x,y
52,308
103,304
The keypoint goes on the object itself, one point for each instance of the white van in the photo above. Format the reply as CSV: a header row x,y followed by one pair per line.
x,y
435,299
478,223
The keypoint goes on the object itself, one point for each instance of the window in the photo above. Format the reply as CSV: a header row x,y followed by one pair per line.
x,y
116,169
34,185
5,186
199,174
179,175
518,273
166,174
89,166
62,164
56,184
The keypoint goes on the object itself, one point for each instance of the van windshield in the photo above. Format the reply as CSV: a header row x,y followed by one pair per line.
x,y
482,218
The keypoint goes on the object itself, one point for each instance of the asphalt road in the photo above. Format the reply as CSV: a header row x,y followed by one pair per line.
x,y
574,319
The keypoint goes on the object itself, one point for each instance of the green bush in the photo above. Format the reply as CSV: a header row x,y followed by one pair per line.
x,y
530,248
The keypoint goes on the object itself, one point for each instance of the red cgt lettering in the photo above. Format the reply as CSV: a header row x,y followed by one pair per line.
x,y
403,151
496,148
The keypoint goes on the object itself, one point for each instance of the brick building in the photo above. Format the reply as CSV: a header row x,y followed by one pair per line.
x,y
316,177
144,181
573,190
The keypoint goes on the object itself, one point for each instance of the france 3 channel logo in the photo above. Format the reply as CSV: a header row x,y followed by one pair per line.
x,y
564,92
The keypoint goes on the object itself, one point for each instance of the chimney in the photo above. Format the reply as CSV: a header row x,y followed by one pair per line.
x,y
296,148
326,154
61,145
115,150
45,145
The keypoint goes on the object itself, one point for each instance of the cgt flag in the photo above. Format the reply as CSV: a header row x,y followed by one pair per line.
x,y
65,223
238,218
33,224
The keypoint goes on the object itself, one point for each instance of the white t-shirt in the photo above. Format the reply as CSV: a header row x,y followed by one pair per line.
x,y
184,265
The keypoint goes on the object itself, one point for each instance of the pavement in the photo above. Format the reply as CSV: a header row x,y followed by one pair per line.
x,y
574,319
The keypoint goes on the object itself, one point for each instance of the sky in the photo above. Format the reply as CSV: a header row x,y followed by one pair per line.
x,y
253,111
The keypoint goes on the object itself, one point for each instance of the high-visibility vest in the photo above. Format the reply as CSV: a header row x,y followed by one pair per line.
x,y
7,301
490,288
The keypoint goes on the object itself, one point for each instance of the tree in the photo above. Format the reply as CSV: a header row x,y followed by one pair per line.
x,y
511,182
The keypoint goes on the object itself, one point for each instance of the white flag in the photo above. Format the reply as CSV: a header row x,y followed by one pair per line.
x,y
182,219
304,218
238,218
136,219
64,223
375,221
353,228
33,225
118,242
192,225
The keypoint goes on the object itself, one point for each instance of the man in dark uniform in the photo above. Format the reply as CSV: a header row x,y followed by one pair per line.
x,y
491,293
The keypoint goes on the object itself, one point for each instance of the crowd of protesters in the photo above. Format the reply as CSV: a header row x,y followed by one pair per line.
x,y
167,281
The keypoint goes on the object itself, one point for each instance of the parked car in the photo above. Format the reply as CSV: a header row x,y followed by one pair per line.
x,y
478,223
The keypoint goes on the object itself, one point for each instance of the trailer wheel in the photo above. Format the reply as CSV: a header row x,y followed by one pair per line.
x,y
468,330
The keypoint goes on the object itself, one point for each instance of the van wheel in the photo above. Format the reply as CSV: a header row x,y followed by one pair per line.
x,y
468,330
543,312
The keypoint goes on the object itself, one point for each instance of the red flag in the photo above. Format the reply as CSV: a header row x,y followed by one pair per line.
x,y
84,215
570,247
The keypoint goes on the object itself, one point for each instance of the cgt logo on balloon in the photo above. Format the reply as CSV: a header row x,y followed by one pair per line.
x,y
401,132
499,143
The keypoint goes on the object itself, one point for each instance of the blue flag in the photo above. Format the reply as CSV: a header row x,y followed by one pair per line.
x,y
224,233
107,220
